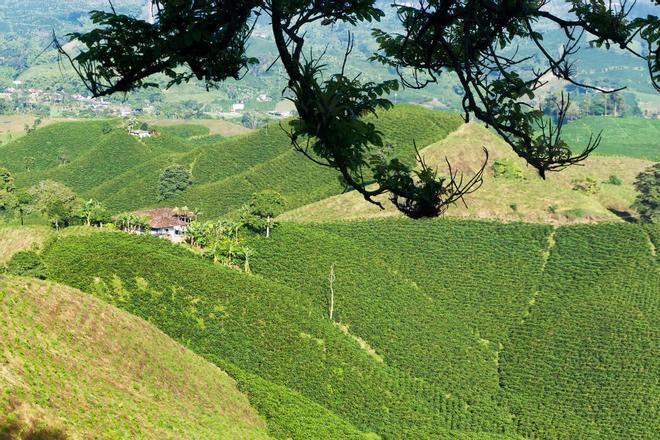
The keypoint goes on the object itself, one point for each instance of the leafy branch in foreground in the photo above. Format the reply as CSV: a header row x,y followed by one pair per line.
x,y
207,40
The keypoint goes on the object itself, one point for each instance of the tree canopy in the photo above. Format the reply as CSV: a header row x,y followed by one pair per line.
x,y
173,180
648,199
475,40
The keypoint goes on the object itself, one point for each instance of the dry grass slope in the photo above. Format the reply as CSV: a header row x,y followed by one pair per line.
x,y
531,199
72,362
14,240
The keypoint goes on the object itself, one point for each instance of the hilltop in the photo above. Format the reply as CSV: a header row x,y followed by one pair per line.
x,y
76,365
527,198
442,329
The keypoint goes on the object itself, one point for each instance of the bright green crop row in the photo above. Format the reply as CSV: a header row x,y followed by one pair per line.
x,y
630,136
440,327
433,298
584,363
184,131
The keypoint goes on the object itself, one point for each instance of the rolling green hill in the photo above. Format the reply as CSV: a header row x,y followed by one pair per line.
x,y
123,172
73,364
73,139
227,174
432,328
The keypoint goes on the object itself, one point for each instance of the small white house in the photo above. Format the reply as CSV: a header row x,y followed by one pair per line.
x,y
167,223
239,107
140,133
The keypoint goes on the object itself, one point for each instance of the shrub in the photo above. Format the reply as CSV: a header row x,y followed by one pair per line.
x,y
27,264
615,180
507,169
587,185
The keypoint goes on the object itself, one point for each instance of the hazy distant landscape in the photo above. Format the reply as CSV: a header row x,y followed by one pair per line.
x,y
173,265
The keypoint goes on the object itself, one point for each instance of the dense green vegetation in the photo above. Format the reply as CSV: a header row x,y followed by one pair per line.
x,y
589,341
433,323
630,136
73,139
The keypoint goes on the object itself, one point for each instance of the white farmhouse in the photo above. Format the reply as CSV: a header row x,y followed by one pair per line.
x,y
167,223
140,133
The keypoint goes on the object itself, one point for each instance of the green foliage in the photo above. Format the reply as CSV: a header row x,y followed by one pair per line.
x,y
128,222
173,180
254,120
27,264
56,201
263,328
94,212
630,136
647,202
451,325
260,212
587,185
331,129
615,180
507,169
7,190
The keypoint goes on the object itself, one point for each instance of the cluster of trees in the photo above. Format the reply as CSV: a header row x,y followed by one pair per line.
x,y
223,241
53,200
591,104
647,203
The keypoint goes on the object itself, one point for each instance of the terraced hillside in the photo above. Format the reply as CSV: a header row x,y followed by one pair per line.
x,y
228,174
123,172
73,365
432,322
527,198
630,136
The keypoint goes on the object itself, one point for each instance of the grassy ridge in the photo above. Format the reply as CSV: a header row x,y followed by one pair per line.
x,y
227,174
77,364
529,199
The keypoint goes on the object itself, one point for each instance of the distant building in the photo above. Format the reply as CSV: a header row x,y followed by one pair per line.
x,y
140,133
239,107
264,98
169,223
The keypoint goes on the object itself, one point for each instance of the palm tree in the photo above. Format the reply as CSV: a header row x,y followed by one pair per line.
x,y
246,253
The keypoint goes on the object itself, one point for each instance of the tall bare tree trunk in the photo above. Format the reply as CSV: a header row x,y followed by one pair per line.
x,y
332,279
